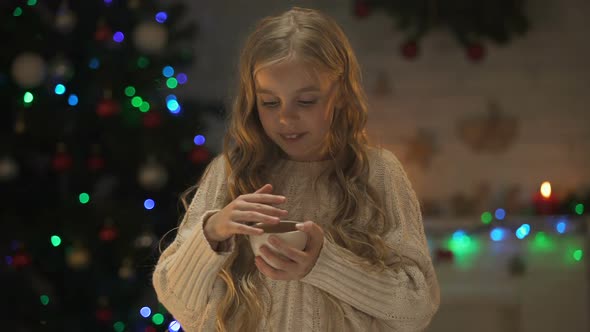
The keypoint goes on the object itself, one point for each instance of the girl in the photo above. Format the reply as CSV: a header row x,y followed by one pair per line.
x,y
296,149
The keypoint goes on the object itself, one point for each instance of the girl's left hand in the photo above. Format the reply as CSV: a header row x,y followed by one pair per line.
x,y
295,264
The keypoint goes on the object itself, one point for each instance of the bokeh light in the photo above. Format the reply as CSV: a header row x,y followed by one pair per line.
x,y
84,198
118,37
149,204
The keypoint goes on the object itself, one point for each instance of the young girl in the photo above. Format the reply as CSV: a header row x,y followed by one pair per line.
x,y
296,149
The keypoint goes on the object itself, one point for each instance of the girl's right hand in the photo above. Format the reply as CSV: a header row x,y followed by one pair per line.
x,y
254,207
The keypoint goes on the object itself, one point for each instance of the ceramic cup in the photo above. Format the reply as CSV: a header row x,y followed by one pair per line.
x,y
285,230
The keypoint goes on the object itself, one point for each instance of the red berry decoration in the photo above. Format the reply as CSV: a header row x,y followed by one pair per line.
x,y
410,49
475,52
361,8
107,107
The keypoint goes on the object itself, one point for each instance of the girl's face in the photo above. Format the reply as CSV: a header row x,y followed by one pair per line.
x,y
295,108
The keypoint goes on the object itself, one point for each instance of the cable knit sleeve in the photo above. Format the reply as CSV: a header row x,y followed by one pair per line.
x,y
405,296
185,278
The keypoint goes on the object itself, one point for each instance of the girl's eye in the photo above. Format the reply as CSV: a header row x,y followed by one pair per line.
x,y
307,102
269,104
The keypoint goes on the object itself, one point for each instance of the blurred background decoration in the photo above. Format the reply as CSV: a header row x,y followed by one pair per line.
x,y
470,22
95,147
112,108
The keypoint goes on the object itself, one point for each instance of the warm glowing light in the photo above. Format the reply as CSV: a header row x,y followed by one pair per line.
x,y
546,189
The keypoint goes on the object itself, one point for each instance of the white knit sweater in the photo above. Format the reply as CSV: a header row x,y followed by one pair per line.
x,y
401,298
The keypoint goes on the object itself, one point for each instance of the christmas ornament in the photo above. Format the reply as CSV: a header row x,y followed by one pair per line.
x,y
65,19
133,4
444,255
61,69
152,119
21,259
9,169
126,271
62,161
410,49
19,124
152,175
150,37
145,240
107,107
77,256
95,162
475,52
28,69
199,155
103,32
108,232
104,314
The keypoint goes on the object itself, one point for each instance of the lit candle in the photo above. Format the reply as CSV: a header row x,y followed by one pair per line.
x,y
545,202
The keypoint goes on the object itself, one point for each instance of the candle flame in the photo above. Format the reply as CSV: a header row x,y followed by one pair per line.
x,y
546,189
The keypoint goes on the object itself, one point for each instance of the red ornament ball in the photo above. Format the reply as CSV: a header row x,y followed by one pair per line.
x,y
107,107
108,233
199,155
104,315
62,162
21,259
410,49
476,52
95,163
103,33
152,120
361,8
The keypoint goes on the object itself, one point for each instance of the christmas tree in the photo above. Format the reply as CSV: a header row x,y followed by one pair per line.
x,y
95,149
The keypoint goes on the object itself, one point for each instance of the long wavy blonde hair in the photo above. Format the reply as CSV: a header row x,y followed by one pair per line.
x,y
312,37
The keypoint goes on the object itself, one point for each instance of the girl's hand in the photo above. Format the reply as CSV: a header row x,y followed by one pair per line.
x,y
295,264
255,207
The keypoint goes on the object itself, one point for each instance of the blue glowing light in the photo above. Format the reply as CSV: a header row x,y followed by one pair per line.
x,y
168,71
161,17
199,140
497,234
118,36
145,312
181,78
73,100
60,89
174,326
500,214
523,231
94,63
149,204
561,226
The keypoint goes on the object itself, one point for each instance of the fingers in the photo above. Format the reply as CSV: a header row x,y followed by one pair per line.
x,y
262,208
238,228
291,253
267,188
253,216
315,235
264,198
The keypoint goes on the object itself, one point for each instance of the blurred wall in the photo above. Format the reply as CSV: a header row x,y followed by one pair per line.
x,y
541,80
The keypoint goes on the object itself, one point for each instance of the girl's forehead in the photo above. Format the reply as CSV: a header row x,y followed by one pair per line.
x,y
291,73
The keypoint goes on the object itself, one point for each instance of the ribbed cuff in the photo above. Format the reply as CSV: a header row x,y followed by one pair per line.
x,y
196,266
